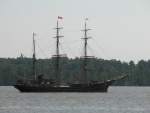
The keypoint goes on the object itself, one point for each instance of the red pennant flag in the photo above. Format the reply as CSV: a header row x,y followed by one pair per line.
x,y
59,17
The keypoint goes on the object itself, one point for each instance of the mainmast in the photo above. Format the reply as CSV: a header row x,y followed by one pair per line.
x,y
85,57
58,55
34,58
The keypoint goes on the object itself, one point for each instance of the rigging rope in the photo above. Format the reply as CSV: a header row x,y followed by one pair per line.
x,y
45,36
71,42
45,49
41,50
92,51
105,51
69,49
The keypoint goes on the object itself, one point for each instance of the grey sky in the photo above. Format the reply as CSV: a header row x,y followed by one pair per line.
x,y
120,27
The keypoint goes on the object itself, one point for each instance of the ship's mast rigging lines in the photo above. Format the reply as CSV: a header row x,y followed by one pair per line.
x,y
48,85
85,56
58,56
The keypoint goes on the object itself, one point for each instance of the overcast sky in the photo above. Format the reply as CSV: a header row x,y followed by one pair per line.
x,y
120,29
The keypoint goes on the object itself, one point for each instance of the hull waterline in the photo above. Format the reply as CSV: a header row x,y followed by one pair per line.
x,y
40,88
59,89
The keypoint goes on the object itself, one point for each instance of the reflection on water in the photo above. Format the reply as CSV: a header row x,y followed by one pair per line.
x,y
117,100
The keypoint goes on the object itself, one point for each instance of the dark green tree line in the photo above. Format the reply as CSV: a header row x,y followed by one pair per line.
x,y
71,69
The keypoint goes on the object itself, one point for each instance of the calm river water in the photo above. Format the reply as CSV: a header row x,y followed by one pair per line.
x,y
117,100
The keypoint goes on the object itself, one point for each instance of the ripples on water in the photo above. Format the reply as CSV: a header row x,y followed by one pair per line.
x,y
117,100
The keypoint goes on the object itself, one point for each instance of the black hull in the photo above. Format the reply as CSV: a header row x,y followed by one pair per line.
x,y
39,88
94,87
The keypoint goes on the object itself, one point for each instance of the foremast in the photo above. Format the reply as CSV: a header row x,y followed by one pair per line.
x,y
85,57
58,55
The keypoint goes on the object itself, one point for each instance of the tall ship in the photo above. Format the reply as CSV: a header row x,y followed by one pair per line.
x,y
39,84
